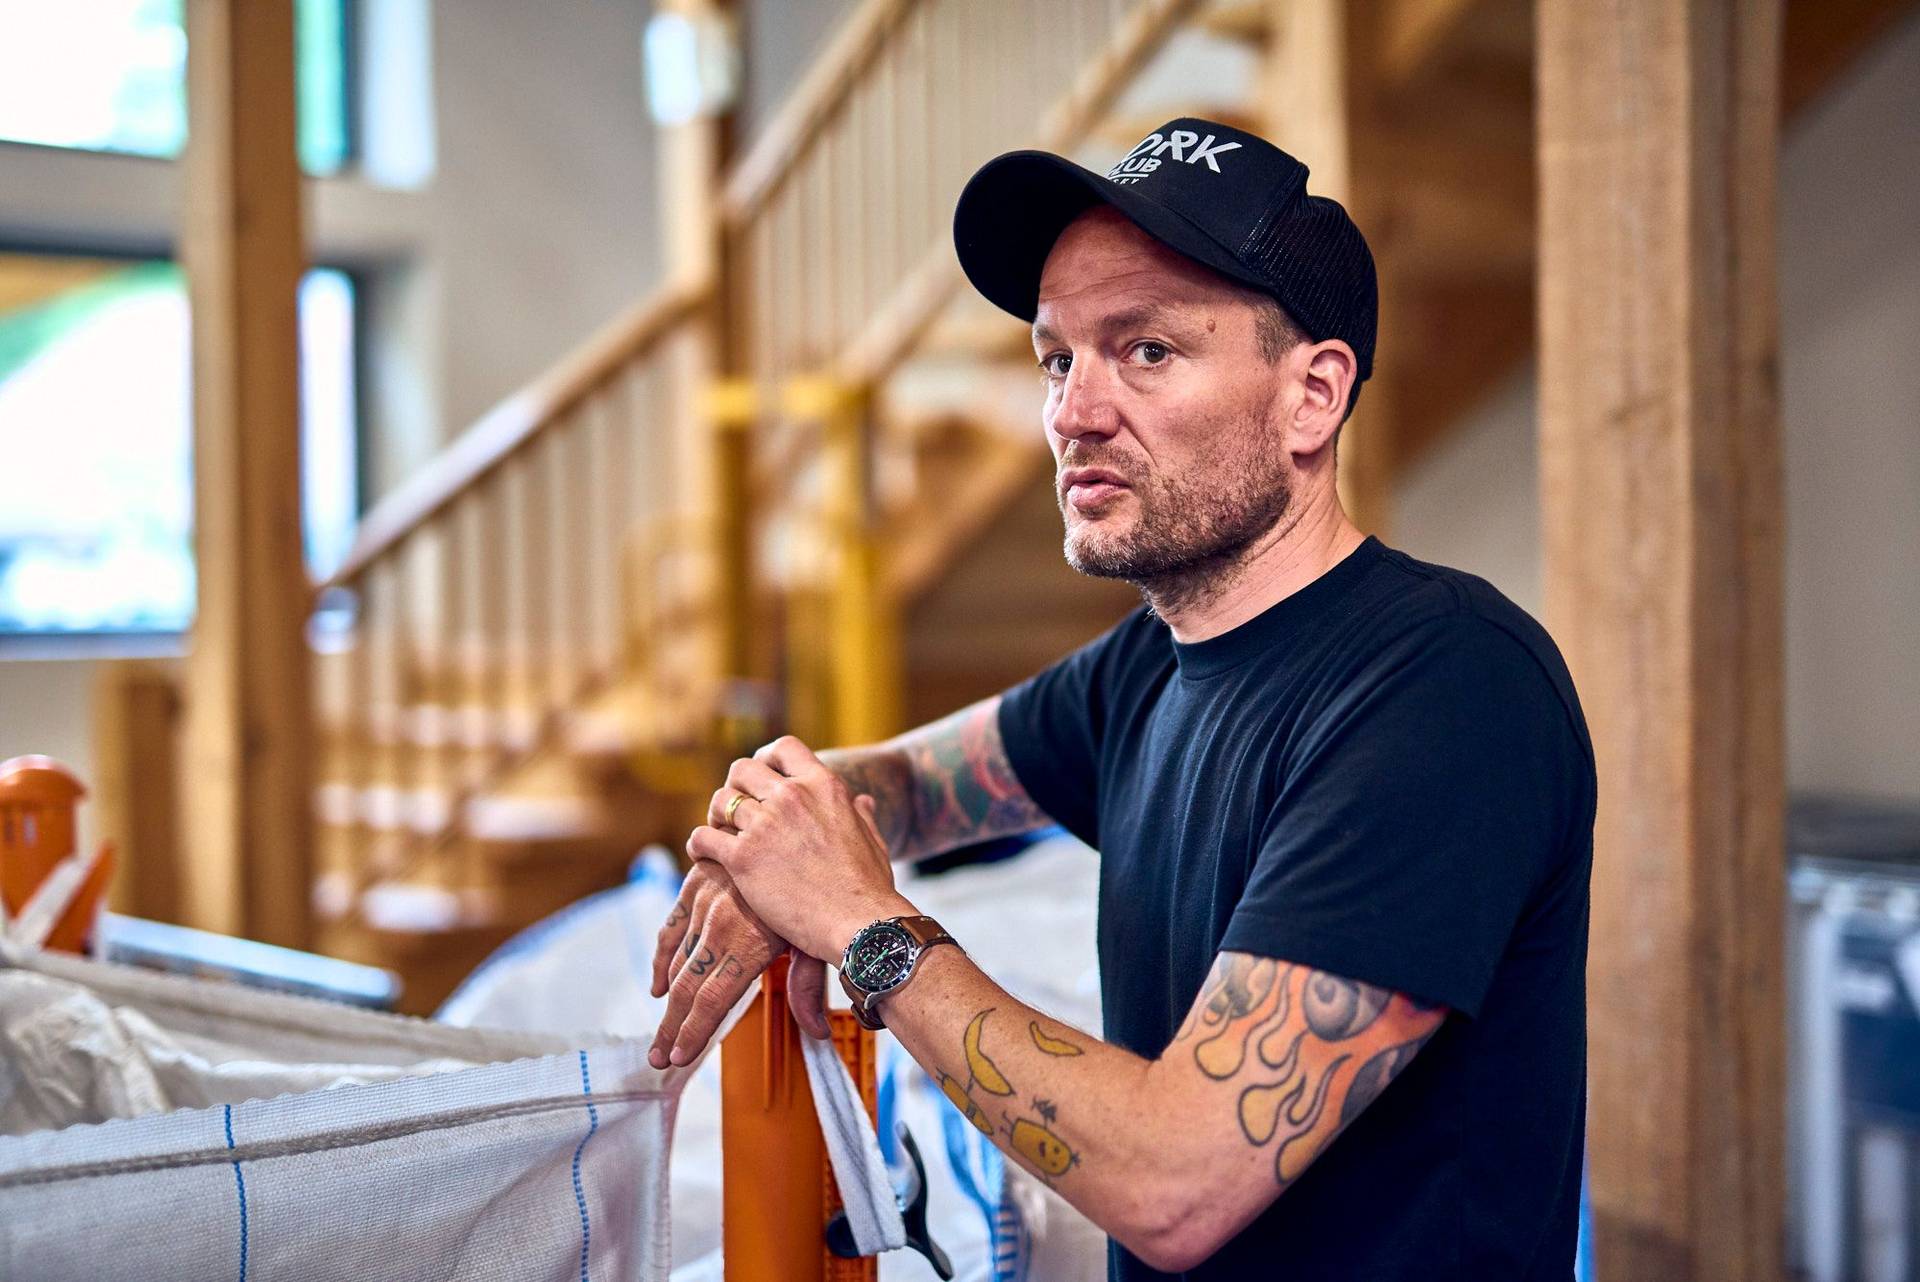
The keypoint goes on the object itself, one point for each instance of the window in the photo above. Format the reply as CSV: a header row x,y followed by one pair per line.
x,y
111,75
96,488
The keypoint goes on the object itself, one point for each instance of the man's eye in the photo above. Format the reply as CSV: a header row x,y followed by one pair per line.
x,y
1152,353
1056,365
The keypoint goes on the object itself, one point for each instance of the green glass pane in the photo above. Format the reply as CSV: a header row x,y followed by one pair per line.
x,y
96,500
320,48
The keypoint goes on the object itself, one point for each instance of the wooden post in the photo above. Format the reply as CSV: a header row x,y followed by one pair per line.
x,y
136,712
250,723
709,433
1308,104
1660,449
864,639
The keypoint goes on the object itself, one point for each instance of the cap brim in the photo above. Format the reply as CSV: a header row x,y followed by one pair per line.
x,y
1014,208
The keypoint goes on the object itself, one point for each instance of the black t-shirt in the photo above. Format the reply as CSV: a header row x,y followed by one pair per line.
x,y
1386,776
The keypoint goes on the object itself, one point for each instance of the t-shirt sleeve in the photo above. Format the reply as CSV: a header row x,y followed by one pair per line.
x,y
1428,800
1053,722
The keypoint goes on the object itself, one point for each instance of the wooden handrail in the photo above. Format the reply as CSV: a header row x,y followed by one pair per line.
x,y
507,428
829,81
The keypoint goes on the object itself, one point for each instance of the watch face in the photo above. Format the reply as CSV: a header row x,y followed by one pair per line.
x,y
880,957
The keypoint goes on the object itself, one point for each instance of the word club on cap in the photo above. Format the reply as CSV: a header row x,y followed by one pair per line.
x,y
1145,158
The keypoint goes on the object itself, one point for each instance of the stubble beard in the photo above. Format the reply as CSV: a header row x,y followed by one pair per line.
x,y
1189,540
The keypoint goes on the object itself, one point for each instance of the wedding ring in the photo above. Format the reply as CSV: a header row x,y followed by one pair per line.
x,y
734,805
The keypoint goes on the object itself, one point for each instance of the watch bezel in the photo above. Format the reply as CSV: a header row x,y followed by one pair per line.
x,y
864,936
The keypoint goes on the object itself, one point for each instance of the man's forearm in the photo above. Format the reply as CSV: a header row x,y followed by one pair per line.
x,y
884,772
943,785
1079,1113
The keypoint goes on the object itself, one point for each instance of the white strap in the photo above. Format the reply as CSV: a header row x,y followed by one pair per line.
x,y
873,1212
50,901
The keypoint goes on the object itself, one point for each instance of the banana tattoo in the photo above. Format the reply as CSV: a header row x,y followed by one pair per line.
x,y
1036,1141
981,1072
1050,1045
986,1075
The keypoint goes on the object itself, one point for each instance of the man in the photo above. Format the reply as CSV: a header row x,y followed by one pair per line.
x,y
1343,799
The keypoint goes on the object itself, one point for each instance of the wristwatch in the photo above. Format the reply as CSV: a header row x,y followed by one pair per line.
x,y
883,956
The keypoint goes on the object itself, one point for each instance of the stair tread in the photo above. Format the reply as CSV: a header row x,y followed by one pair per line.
x,y
489,817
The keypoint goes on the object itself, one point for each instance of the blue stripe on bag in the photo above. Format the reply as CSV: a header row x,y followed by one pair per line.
x,y
965,1148
887,1106
579,1192
240,1183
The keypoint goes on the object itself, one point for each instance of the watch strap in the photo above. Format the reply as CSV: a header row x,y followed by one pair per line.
x,y
925,933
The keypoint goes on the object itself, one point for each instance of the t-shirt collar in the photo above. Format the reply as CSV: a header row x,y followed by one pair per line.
x,y
1278,626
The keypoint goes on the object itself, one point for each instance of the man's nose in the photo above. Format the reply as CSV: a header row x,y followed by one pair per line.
x,y
1087,405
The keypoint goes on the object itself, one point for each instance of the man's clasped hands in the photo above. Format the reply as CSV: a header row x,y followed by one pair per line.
x,y
799,863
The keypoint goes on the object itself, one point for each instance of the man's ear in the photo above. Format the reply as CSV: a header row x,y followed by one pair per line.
x,y
1328,374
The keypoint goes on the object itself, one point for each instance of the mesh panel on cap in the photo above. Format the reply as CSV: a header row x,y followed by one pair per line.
x,y
1320,270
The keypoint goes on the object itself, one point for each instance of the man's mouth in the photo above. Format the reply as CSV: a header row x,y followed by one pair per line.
x,y
1085,488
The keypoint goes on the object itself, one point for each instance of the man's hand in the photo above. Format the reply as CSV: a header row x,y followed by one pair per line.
x,y
807,858
713,946
709,952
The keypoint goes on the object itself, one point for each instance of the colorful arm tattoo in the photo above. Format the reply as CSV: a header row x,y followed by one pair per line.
x,y
944,785
1305,1044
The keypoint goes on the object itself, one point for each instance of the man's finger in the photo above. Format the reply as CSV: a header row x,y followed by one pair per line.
x,y
680,997
756,779
708,842
722,813
667,947
807,995
791,758
711,1002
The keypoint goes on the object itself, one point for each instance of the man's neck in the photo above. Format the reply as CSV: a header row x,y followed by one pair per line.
x,y
1301,548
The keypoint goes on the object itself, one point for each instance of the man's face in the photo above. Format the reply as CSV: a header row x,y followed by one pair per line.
x,y
1162,411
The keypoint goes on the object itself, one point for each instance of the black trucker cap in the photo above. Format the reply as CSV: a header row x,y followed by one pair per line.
x,y
1223,197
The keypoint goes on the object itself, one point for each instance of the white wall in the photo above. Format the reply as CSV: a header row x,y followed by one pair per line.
x,y
1850,376
544,199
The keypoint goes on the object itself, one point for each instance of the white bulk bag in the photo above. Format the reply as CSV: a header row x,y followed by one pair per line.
x,y
405,1151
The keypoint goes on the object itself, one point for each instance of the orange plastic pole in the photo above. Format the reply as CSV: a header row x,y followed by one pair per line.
x,y
777,1191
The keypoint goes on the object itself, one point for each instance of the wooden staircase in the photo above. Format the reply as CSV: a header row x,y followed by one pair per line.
x,y
719,519
802,488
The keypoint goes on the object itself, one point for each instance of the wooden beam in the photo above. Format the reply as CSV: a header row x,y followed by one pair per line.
x,y
250,785
1660,445
1306,104
1415,36
136,711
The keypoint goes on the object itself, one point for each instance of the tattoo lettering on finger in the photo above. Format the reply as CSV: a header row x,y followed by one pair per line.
x,y
693,942
678,915
731,968
703,963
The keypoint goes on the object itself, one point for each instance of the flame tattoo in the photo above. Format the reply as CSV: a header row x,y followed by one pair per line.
x,y
1282,1026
